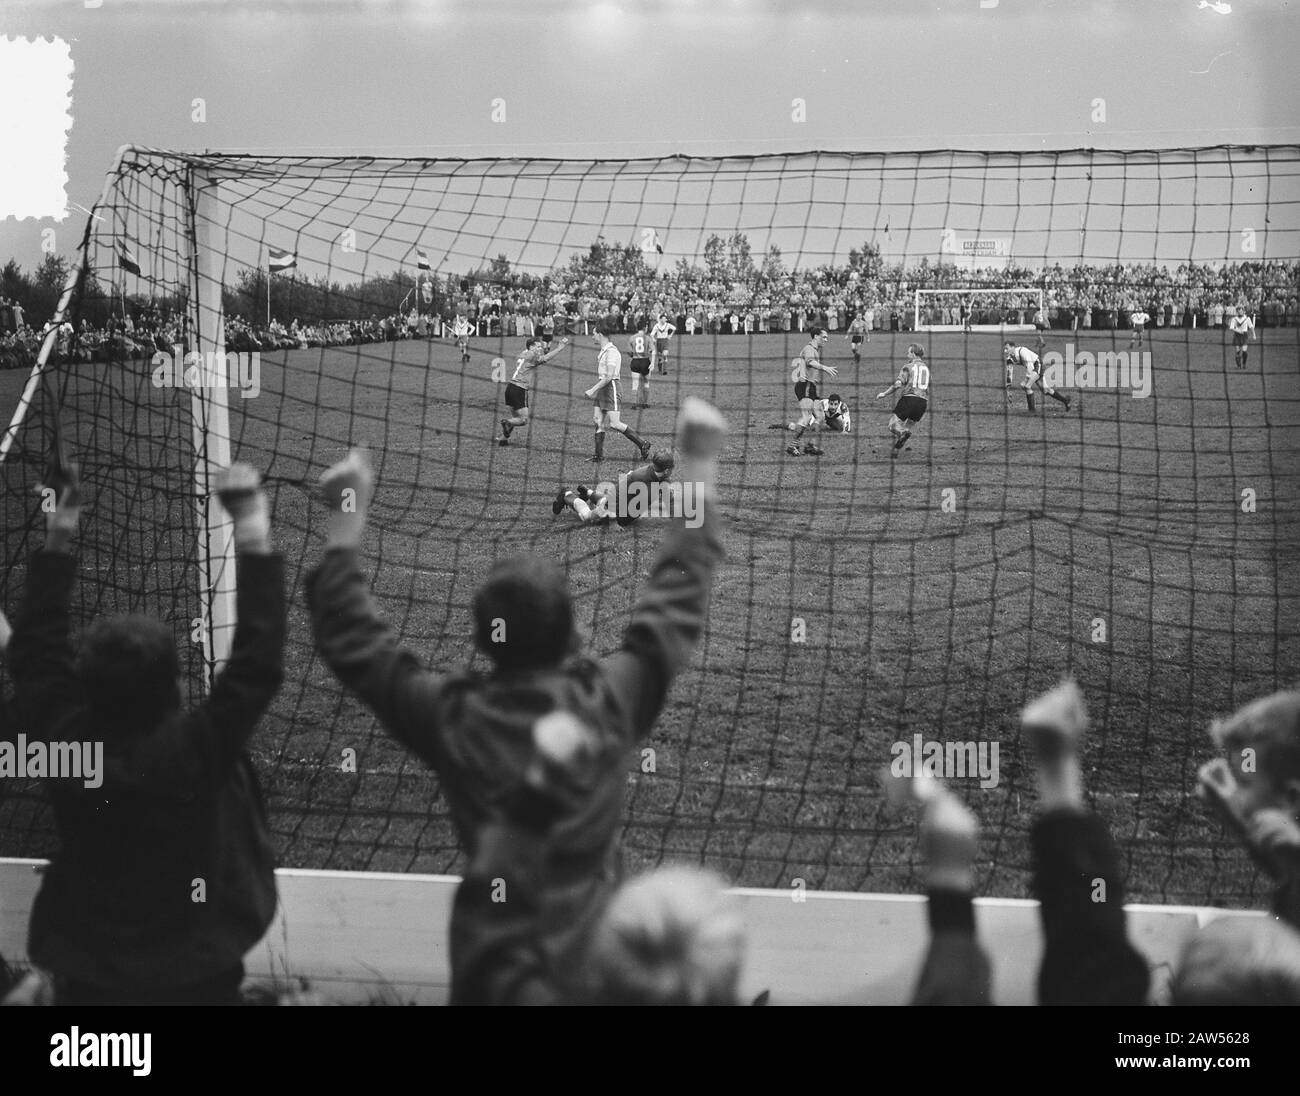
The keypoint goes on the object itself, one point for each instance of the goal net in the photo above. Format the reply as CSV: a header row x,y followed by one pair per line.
x,y
868,607
978,308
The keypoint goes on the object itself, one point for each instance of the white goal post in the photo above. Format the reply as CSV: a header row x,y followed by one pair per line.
x,y
1010,309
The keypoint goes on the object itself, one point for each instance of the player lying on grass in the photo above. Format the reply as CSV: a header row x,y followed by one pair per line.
x,y
671,937
835,416
1255,787
596,505
474,729
804,371
1077,875
521,383
1014,355
164,877
604,394
913,381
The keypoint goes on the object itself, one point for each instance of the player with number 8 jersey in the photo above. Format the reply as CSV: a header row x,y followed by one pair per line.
x,y
914,381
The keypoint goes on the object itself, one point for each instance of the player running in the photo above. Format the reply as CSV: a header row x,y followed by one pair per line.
x,y
1242,326
594,506
639,346
803,372
1022,355
661,333
460,330
914,381
521,382
605,394
856,334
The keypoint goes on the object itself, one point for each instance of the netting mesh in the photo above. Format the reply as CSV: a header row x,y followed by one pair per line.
x,y
1139,543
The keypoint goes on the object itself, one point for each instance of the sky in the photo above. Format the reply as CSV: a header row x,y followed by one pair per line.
x,y
658,77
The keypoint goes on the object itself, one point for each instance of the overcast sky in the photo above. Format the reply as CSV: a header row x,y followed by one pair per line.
x,y
642,77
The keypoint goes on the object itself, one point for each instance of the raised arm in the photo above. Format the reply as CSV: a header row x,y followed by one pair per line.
x,y
669,617
562,344
251,677
358,646
41,658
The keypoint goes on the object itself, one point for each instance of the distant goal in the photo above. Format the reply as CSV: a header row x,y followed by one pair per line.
x,y
990,309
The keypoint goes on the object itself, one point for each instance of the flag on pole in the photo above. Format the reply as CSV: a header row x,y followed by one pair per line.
x,y
422,260
281,260
126,258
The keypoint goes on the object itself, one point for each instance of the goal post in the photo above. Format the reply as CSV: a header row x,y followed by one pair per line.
x,y
993,310
210,410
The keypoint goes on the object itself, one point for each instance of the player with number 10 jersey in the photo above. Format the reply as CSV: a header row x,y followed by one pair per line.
x,y
913,381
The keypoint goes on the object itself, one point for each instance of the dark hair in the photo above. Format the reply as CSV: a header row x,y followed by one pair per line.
x,y
523,617
129,670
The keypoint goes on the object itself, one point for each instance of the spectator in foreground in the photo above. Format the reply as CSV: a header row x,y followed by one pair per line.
x,y
476,730
670,937
1239,961
1087,958
956,969
164,878
1256,789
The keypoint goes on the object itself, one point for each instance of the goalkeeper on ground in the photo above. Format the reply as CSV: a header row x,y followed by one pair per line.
x,y
474,728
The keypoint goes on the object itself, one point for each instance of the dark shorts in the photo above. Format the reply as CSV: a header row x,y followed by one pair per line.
x,y
516,397
911,408
1240,339
855,340
641,365
661,345
805,390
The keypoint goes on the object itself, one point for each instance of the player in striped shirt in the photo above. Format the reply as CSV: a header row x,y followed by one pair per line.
x,y
605,395
460,330
804,371
856,334
661,333
639,347
914,381
1022,355
1242,326
521,382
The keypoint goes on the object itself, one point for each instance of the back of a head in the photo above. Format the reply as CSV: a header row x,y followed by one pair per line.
x,y
1239,961
523,616
129,671
1270,726
671,937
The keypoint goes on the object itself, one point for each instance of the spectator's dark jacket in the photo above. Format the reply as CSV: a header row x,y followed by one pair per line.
x,y
475,730
956,969
179,803
1087,958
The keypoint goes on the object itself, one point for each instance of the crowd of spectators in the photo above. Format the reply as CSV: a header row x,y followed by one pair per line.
x,y
625,291
532,756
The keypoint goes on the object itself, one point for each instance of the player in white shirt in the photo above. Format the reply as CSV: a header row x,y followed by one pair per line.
x,y
661,333
605,395
460,330
1243,330
1022,355
1139,320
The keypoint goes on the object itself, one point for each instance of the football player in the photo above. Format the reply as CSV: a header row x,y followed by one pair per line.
x,y
1022,355
594,506
520,383
804,371
1243,330
914,382
604,396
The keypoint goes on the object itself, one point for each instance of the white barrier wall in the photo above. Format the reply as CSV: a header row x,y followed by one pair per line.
x,y
360,937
